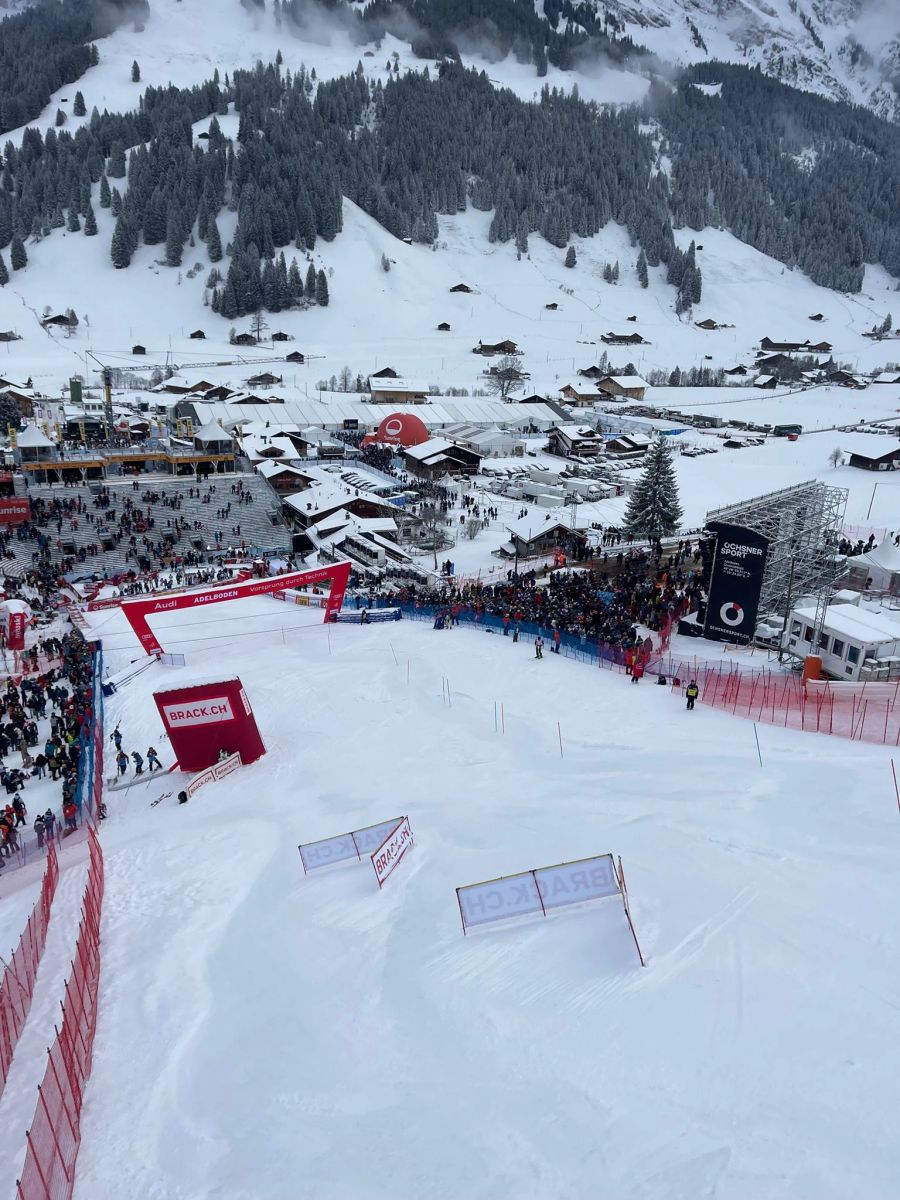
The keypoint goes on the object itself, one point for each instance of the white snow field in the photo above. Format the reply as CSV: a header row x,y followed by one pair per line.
x,y
265,1034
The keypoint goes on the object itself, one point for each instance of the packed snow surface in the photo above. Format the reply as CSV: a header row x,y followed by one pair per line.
x,y
262,1033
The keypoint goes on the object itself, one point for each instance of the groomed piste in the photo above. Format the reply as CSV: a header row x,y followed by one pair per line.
x,y
268,1032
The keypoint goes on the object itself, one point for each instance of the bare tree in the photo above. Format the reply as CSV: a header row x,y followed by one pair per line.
x,y
473,528
432,527
506,377
836,457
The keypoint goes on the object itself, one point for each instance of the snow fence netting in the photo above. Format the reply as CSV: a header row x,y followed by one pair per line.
x,y
17,986
55,1133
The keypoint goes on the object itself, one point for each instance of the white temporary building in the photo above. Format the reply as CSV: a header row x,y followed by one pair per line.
x,y
852,639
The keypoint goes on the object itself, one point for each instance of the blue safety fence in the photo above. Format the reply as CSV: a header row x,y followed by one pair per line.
x,y
581,648
89,783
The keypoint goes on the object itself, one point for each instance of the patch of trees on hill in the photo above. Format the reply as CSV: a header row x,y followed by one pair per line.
x,y
46,47
415,147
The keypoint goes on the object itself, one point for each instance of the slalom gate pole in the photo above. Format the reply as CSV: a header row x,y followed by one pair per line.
x,y
758,751
896,788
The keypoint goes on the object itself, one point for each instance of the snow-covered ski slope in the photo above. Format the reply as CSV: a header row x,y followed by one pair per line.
x,y
263,1033
376,318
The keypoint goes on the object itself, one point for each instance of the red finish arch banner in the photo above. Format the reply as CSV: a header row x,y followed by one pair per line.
x,y
138,612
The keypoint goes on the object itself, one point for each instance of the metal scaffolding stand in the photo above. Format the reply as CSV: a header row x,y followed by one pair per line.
x,y
803,524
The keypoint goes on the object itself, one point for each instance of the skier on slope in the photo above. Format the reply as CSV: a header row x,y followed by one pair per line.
x,y
122,762
692,692
138,762
153,760
539,647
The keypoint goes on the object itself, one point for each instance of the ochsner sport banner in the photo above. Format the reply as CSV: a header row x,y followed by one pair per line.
x,y
735,583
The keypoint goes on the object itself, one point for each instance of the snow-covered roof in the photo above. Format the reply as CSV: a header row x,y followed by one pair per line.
x,y
529,528
334,409
870,445
627,381
413,387
261,448
856,624
887,377
269,467
578,431
430,449
31,438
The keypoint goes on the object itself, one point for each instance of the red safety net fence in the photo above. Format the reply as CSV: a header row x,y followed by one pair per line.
x,y
55,1133
17,986
863,712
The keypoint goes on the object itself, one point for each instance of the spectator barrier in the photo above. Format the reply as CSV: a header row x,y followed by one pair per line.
x,y
17,985
867,712
55,1134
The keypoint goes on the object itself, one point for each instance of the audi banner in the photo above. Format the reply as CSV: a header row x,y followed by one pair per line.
x,y
736,580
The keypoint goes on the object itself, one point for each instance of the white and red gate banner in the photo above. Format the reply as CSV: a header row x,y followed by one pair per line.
x,y
543,889
391,850
211,774
328,851
137,612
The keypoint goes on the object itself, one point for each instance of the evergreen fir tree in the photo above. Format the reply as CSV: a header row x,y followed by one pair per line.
x,y
105,199
135,72
311,282
321,289
4,274
79,108
571,257
653,510
643,277
17,255
121,245
213,242
115,202
73,224
295,282
60,118
90,222
174,244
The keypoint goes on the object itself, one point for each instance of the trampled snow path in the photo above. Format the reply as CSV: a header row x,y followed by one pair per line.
x,y
266,1034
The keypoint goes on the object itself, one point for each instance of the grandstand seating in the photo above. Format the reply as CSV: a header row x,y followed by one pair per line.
x,y
261,522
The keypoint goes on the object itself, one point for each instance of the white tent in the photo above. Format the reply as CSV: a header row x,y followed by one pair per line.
x,y
882,566
31,438
212,434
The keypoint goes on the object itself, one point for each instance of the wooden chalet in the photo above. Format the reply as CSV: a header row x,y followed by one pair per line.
x,y
243,339
740,369
296,357
552,307
138,349
627,387
489,348
197,336
437,457
266,379
444,327
462,287
623,339
709,323
385,373
575,441
281,337
816,317
7,335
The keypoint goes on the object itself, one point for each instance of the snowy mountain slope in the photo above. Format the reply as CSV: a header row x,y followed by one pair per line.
x,y
845,49
377,318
